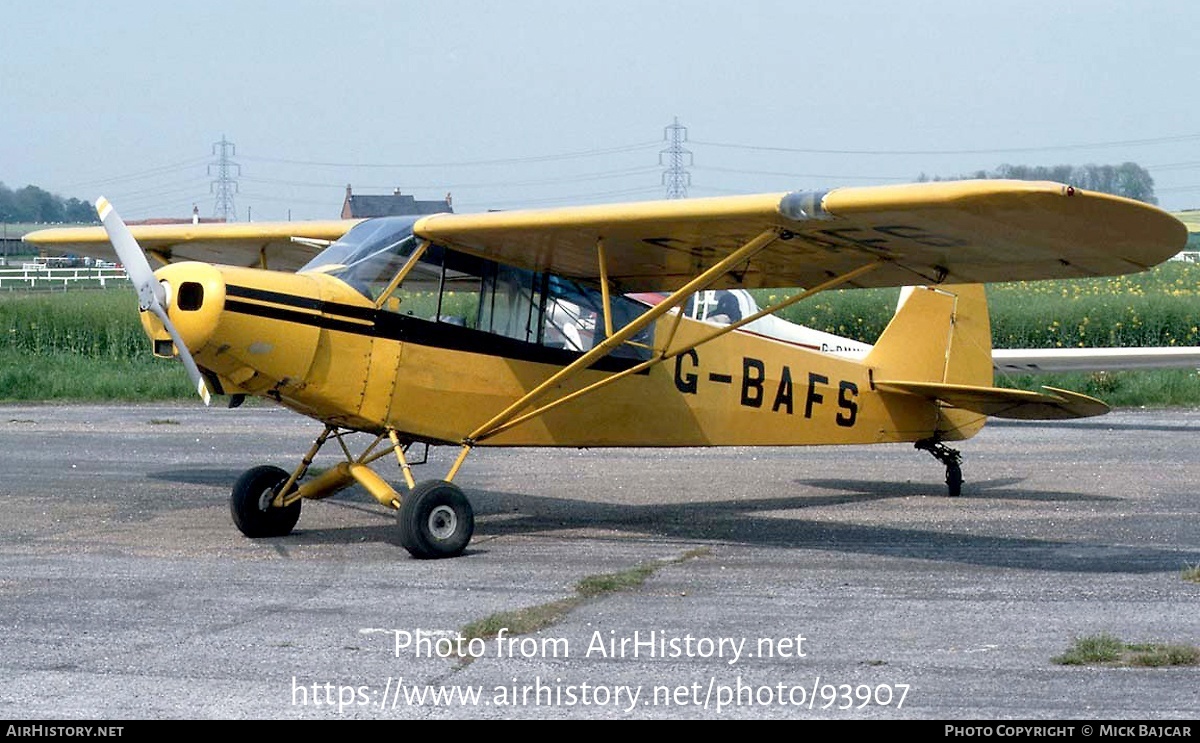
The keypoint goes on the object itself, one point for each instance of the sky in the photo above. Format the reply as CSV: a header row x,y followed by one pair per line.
x,y
526,103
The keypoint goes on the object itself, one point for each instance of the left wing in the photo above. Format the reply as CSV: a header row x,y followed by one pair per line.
x,y
953,231
282,246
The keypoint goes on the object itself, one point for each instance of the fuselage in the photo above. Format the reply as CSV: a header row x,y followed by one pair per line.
x,y
317,346
460,339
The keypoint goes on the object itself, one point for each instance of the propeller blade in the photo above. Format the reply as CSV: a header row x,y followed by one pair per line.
x,y
132,257
188,362
151,294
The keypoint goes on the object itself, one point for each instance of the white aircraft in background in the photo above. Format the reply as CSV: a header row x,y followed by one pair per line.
x,y
724,306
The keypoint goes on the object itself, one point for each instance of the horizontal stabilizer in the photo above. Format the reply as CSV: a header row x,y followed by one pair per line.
x,y
1053,404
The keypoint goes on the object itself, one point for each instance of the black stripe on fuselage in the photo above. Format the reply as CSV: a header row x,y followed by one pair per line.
x,y
307,303
406,329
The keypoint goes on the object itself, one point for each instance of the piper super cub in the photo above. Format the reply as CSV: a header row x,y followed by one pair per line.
x,y
563,327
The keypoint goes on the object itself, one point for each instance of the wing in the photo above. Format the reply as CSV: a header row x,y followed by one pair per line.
x,y
1037,360
1191,218
957,231
283,246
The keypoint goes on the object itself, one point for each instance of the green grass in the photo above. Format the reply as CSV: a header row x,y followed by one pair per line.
x,y
1157,388
85,345
89,344
626,580
1159,307
1156,655
1107,650
1191,573
1102,648
523,621
66,377
535,618
97,324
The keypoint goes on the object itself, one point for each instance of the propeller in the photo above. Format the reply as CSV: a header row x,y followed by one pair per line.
x,y
151,294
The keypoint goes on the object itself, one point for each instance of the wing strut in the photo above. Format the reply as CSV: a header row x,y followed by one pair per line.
x,y
608,329
667,355
612,342
511,416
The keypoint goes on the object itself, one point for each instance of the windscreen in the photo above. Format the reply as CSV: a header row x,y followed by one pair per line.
x,y
369,255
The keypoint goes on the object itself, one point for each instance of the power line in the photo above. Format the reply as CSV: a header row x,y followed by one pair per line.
x,y
463,186
463,163
991,151
139,175
187,185
803,175
577,198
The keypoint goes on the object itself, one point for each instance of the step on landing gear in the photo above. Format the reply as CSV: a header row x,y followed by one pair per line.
x,y
949,457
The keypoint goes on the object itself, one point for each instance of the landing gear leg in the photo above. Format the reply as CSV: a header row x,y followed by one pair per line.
x,y
434,518
949,457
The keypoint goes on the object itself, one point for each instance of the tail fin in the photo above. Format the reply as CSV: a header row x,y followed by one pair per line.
x,y
940,335
939,346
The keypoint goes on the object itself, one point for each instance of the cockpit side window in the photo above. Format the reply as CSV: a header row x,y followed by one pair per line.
x,y
463,290
420,294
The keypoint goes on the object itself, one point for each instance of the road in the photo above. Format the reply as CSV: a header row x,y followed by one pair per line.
x,y
832,583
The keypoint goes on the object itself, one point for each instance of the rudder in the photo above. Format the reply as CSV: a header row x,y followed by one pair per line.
x,y
940,334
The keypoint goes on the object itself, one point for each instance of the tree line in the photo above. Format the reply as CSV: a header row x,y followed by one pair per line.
x,y
1127,179
33,204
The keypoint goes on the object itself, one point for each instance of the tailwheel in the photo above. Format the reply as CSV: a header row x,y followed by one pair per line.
x,y
954,479
949,457
250,504
435,520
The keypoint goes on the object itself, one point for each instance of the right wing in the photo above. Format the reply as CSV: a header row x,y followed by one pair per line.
x,y
950,231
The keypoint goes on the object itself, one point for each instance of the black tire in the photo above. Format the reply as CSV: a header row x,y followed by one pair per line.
x,y
435,521
250,504
954,479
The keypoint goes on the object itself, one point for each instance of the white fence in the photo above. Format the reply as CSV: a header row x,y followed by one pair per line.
x,y
39,276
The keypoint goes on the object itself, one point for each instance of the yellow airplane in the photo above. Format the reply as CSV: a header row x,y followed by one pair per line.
x,y
564,327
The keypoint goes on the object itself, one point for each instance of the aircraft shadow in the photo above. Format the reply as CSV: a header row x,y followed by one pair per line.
x,y
756,522
198,476
1097,425
997,489
742,522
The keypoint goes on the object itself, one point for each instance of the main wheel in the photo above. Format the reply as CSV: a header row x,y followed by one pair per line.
x,y
250,504
435,520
